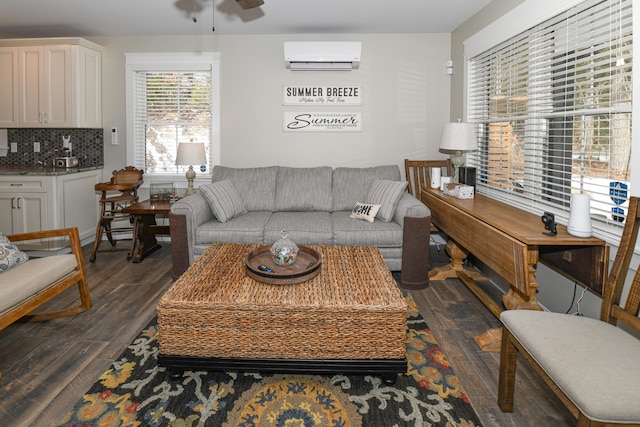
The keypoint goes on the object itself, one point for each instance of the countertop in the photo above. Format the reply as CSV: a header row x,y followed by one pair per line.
x,y
42,171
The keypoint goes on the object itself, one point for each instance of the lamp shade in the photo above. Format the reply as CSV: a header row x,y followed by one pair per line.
x,y
191,153
459,137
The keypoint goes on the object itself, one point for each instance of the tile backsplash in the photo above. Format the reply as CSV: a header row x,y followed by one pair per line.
x,y
87,146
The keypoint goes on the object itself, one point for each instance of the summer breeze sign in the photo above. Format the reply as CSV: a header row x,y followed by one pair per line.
x,y
321,95
317,122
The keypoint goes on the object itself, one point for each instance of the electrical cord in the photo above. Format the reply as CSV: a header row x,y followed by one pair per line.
x,y
579,313
573,298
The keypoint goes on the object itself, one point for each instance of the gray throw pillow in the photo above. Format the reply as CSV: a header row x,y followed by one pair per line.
x,y
224,200
10,255
387,194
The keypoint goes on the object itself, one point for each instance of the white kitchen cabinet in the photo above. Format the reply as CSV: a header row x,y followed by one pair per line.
x,y
45,86
23,206
59,83
33,203
9,83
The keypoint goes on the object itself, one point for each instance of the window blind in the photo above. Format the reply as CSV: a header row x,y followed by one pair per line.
x,y
552,107
170,107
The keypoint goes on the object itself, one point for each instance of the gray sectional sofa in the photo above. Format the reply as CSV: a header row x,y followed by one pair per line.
x,y
314,205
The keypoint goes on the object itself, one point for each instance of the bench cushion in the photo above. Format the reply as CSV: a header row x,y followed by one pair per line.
x,y
27,279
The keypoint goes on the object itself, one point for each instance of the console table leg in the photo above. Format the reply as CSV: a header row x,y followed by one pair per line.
x,y
457,255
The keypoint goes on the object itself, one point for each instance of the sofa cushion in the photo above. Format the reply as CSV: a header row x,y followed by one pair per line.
x,y
10,254
365,211
349,231
304,228
247,228
387,194
256,186
30,278
350,185
304,189
224,200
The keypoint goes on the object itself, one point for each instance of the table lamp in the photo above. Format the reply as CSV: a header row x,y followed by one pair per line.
x,y
191,153
456,138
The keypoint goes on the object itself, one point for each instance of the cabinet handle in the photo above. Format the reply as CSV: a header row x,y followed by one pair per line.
x,y
13,203
19,204
46,117
13,184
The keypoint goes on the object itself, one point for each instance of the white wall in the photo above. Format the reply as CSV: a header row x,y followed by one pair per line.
x,y
405,99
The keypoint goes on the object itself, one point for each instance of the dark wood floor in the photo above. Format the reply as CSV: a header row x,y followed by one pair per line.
x,y
46,367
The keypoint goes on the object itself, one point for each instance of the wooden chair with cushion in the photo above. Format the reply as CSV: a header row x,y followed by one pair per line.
x,y
591,364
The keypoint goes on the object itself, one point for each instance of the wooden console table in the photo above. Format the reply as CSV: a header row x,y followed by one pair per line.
x,y
511,242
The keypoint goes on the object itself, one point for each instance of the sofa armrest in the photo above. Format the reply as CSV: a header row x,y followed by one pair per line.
x,y
186,215
415,218
410,206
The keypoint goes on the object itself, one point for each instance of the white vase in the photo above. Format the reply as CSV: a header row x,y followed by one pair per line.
x,y
580,216
435,177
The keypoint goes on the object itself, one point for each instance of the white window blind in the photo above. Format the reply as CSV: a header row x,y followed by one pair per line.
x,y
170,107
553,112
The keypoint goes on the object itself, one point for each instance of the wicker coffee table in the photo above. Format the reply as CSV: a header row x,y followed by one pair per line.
x,y
350,318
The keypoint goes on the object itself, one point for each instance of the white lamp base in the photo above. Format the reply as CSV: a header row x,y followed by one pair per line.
x,y
191,175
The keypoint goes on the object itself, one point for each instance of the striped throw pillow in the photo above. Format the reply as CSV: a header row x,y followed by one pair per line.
x,y
387,194
224,200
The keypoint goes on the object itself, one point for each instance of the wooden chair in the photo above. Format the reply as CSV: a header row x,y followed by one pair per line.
x,y
591,364
418,174
124,183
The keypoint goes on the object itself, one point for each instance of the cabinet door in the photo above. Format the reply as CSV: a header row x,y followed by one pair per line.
x,y
22,213
87,83
31,86
56,99
45,86
9,84
6,213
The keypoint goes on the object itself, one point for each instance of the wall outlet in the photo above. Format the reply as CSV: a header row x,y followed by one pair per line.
x,y
114,136
36,147
14,147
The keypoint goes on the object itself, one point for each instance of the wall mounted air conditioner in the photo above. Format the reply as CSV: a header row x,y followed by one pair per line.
x,y
322,56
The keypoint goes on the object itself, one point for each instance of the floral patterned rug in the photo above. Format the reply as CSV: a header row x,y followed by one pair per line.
x,y
136,392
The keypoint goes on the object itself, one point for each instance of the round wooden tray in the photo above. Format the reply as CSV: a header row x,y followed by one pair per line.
x,y
307,266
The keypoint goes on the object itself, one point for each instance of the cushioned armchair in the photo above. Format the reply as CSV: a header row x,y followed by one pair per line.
x,y
591,364
32,282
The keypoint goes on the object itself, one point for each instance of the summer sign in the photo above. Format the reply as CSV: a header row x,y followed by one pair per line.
x,y
319,122
321,95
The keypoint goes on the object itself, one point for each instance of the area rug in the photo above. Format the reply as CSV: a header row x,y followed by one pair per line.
x,y
136,392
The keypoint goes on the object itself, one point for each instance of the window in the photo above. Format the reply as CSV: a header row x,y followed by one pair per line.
x,y
553,112
171,98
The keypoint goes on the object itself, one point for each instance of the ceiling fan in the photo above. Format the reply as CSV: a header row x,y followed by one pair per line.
x,y
249,4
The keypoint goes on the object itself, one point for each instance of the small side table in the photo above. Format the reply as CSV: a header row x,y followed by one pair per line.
x,y
145,226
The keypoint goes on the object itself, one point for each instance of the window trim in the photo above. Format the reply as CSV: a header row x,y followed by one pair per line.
x,y
174,61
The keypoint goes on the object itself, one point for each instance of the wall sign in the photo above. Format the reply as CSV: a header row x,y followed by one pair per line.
x,y
322,122
321,95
